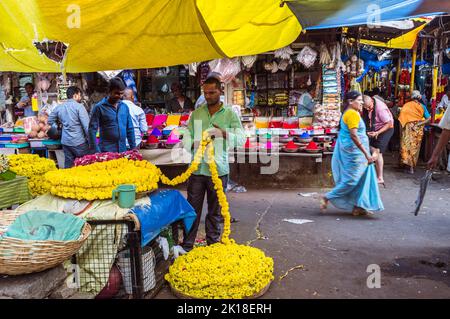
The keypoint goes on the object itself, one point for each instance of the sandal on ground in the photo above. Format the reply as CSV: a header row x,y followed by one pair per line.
x,y
323,204
358,211
234,220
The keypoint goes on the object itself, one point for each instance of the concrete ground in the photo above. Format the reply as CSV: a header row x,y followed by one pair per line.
x,y
335,250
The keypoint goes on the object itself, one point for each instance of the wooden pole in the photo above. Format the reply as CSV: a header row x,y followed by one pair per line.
x,y
413,67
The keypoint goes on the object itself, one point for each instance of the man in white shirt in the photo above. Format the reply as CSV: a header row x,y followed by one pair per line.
x,y
137,116
444,124
445,102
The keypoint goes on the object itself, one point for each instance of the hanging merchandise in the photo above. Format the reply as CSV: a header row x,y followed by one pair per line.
x,y
213,64
43,82
228,68
281,99
441,89
204,71
128,78
357,66
192,68
307,57
283,64
268,66
274,67
405,77
107,75
354,86
333,63
325,57
248,60
2,99
284,53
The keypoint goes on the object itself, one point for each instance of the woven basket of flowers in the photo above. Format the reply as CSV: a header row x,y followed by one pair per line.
x,y
181,295
18,256
224,271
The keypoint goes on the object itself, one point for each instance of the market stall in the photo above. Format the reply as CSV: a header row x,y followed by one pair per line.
x,y
125,233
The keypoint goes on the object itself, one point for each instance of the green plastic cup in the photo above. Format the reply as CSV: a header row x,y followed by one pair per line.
x,y
127,195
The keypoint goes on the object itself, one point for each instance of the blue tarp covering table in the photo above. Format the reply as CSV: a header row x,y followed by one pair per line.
x,y
166,207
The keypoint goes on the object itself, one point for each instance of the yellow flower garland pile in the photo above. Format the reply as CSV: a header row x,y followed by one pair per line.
x,y
222,270
34,167
97,180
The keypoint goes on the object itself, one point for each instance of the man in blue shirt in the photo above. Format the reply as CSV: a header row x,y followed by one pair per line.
x,y
113,118
25,102
75,121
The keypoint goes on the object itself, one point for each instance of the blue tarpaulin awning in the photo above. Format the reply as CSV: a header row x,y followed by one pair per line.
x,y
324,14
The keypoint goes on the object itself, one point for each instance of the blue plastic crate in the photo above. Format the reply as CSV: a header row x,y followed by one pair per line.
x,y
51,142
6,137
14,145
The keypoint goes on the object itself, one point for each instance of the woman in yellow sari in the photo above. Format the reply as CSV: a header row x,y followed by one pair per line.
x,y
412,124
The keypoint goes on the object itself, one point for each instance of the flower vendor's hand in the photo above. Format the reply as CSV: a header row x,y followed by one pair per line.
x,y
214,132
222,131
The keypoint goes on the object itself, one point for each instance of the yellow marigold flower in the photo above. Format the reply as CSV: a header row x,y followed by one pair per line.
x,y
97,180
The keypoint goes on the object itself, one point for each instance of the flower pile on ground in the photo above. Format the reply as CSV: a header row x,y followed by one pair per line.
x,y
97,180
221,270
34,167
108,156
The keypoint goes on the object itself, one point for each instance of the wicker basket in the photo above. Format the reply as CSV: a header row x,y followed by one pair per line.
x,y
18,256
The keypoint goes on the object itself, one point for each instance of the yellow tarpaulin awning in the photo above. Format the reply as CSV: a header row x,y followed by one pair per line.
x,y
130,34
404,41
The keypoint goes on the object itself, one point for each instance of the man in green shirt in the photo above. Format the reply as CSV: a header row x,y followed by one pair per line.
x,y
225,127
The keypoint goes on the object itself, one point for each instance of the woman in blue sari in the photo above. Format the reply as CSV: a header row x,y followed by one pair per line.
x,y
355,177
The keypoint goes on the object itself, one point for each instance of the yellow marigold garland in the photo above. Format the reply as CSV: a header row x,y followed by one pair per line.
x,y
192,168
97,180
34,167
221,270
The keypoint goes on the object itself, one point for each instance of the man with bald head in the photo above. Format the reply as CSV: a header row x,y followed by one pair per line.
x,y
380,128
137,116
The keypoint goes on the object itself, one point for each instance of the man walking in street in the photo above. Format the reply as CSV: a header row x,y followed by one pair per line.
x,y
225,127
75,124
112,117
137,116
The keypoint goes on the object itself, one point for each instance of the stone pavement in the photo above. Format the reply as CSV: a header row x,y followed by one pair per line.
x,y
334,251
